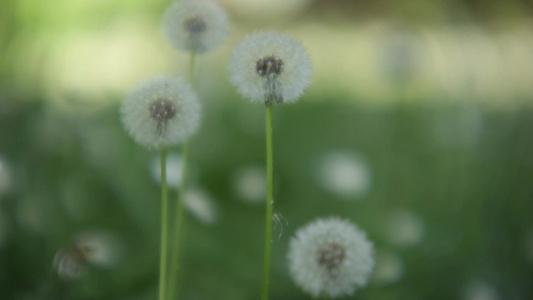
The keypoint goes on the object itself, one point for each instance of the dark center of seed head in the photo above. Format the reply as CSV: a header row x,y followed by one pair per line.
x,y
331,256
195,25
162,110
270,65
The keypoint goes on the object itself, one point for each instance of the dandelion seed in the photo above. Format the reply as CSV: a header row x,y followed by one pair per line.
x,y
270,67
198,26
162,111
330,257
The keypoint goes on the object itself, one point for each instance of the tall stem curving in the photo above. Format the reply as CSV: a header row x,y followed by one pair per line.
x,y
269,202
178,221
164,227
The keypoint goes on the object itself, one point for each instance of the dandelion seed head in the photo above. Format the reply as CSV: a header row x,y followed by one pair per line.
x,y
330,256
162,111
198,26
270,67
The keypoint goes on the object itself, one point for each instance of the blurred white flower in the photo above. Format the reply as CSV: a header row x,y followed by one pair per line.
x,y
330,257
6,179
270,67
389,268
93,247
479,290
70,263
162,111
249,184
405,228
195,25
101,248
345,174
200,204
173,170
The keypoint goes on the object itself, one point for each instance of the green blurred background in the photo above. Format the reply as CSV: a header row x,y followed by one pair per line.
x,y
417,127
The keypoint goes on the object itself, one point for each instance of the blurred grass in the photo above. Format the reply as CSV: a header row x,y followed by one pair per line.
x,y
472,193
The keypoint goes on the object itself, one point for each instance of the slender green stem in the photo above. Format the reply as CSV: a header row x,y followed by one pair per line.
x,y
164,227
269,202
178,221
178,225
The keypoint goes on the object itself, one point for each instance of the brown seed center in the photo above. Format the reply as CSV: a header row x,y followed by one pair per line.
x,y
195,25
162,110
331,256
269,65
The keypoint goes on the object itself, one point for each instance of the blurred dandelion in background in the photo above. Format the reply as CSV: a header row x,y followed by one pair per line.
x,y
198,26
389,268
174,166
249,184
345,174
201,205
480,290
405,228
99,248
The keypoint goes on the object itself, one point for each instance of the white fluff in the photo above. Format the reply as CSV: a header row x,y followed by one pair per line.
x,y
290,83
352,271
209,14
139,123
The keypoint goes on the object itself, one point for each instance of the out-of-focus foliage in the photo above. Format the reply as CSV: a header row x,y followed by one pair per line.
x,y
419,110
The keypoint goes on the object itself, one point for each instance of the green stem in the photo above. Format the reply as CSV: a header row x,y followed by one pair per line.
x,y
269,202
178,225
164,227
178,221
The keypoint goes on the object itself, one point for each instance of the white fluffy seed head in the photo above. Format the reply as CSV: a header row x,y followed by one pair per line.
x,y
270,67
161,111
330,257
198,26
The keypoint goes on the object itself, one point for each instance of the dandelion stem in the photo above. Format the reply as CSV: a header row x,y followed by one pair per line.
x,y
269,202
164,227
178,221
178,225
